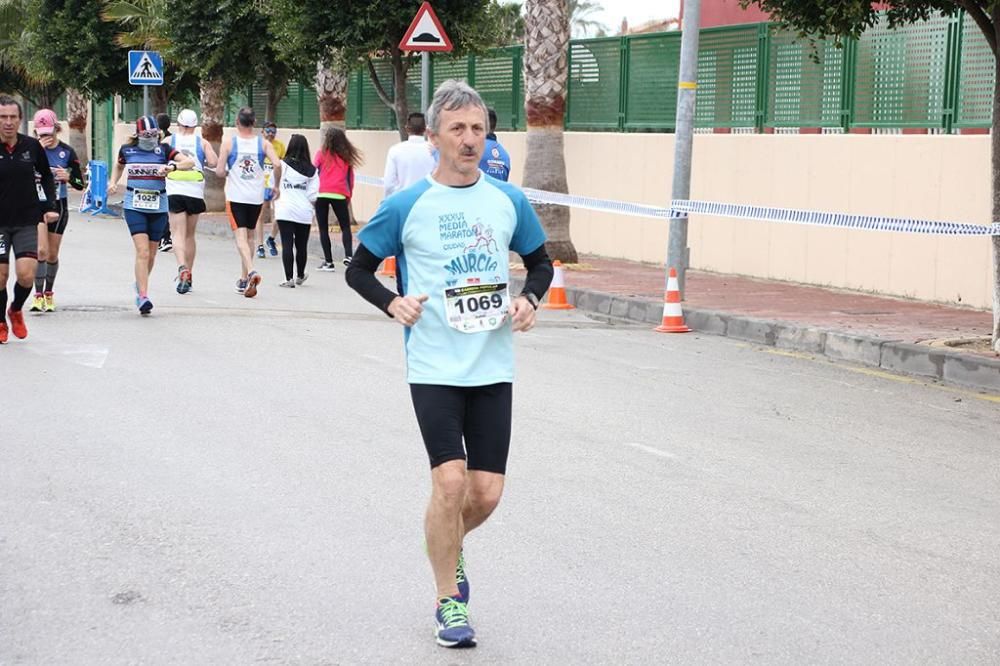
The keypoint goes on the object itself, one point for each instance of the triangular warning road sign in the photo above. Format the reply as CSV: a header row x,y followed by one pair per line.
x,y
145,70
425,32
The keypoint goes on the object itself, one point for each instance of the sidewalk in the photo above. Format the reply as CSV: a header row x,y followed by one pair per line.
x,y
889,333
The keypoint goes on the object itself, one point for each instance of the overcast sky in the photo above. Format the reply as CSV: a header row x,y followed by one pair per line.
x,y
636,11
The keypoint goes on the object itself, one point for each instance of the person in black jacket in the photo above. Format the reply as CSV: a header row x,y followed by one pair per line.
x,y
23,205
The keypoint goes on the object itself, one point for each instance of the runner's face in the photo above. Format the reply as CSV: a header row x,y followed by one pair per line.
x,y
10,122
461,139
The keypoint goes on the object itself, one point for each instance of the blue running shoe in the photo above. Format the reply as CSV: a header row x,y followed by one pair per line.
x,y
145,306
260,251
241,286
460,578
453,629
272,247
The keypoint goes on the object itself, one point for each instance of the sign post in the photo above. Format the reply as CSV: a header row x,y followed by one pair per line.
x,y
425,34
145,68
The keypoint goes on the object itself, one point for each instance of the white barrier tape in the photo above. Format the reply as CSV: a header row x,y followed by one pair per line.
x,y
683,208
841,220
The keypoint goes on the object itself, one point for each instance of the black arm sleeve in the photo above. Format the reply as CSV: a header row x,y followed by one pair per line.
x,y
540,271
75,173
48,180
361,278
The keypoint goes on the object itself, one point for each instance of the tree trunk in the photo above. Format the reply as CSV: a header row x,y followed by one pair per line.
x,y
545,79
400,104
159,99
995,158
275,93
331,95
77,109
211,96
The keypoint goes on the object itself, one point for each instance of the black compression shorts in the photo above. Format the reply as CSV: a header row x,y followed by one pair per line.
x,y
478,414
243,215
59,226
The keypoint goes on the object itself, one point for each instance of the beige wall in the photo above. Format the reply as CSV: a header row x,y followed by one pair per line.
x,y
930,177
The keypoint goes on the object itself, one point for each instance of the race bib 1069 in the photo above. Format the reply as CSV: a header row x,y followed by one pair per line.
x,y
477,308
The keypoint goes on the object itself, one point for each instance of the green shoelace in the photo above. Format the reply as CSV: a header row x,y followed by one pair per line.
x,y
454,612
460,569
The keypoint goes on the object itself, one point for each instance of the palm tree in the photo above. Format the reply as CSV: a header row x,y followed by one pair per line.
x,y
21,70
143,24
331,93
579,18
511,23
545,77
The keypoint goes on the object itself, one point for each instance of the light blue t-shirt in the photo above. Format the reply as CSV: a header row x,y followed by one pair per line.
x,y
449,241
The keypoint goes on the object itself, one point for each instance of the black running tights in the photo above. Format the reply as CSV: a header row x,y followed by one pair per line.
x,y
294,235
323,222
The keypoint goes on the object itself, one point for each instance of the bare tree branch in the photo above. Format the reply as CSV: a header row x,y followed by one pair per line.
x,y
378,85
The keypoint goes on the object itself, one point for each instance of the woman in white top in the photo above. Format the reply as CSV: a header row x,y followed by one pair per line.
x,y
298,185
186,194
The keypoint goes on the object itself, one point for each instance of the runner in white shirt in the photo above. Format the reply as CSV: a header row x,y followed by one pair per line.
x,y
298,184
186,194
411,160
241,163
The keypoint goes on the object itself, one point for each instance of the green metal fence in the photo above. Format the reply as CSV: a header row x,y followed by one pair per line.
x,y
936,74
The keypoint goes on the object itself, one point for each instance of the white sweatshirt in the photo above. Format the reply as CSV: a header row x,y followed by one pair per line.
x,y
298,196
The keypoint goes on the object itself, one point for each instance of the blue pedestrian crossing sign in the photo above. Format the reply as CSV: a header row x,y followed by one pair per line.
x,y
145,68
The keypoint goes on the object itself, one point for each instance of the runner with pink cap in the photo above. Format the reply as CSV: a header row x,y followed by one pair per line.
x,y
65,166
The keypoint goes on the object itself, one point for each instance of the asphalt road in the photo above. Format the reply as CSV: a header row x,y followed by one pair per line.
x,y
233,481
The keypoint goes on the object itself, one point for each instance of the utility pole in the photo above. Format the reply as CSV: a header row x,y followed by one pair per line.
x,y
425,81
678,252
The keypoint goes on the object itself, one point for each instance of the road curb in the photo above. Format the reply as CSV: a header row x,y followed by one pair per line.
x,y
935,363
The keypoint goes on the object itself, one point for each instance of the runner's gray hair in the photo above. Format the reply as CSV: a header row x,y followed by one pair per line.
x,y
451,95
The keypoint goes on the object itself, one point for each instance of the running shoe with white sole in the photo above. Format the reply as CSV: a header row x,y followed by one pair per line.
x,y
300,280
452,624
145,306
260,252
166,245
272,247
241,286
183,280
326,267
288,284
50,302
347,261
253,280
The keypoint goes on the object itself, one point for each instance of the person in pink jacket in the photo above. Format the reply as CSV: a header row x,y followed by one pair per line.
x,y
336,162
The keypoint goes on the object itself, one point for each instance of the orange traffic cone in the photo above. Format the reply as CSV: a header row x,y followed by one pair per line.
x,y
557,291
673,316
388,267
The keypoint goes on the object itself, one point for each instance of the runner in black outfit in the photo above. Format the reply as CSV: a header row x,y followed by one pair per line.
x,y
21,210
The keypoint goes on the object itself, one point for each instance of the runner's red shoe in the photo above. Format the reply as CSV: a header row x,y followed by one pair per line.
x,y
17,324
3,333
